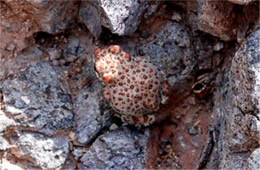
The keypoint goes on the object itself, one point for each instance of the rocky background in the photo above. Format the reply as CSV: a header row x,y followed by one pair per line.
x,y
52,111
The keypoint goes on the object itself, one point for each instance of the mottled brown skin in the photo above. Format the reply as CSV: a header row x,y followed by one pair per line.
x,y
133,86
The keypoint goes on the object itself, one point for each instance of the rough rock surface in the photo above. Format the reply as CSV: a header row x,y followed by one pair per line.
x,y
5,121
217,15
3,144
119,149
21,19
238,110
121,17
39,99
90,117
245,72
170,49
43,151
241,2
253,160
221,19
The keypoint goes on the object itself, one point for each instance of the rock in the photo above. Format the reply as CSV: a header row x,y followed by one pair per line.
x,y
78,152
5,121
42,151
6,164
121,17
170,49
253,160
176,16
219,19
76,48
119,149
4,145
38,98
218,46
10,66
10,47
89,14
20,19
51,16
245,72
90,117
237,106
241,2
215,18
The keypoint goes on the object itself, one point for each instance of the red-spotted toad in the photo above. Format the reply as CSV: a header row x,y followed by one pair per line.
x,y
133,86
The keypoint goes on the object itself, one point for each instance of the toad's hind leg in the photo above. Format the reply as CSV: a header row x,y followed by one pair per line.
x,y
165,92
143,120
106,94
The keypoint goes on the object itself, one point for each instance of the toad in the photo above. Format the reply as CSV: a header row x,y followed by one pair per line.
x,y
134,87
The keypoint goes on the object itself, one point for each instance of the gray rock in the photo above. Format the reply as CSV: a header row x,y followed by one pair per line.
x,y
75,49
78,152
237,106
176,16
90,117
218,46
241,2
41,150
245,73
121,17
170,49
89,14
119,149
5,121
253,160
38,98
4,145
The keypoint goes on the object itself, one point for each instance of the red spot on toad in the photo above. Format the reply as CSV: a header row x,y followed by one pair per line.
x,y
115,49
108,79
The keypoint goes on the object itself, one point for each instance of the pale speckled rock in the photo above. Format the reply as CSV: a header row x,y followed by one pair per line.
x,y
4,145
253,160
90,117
39,98
242,2
5,121
239,125
42,151
170,49
121,17
237,106
119,149
245,72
